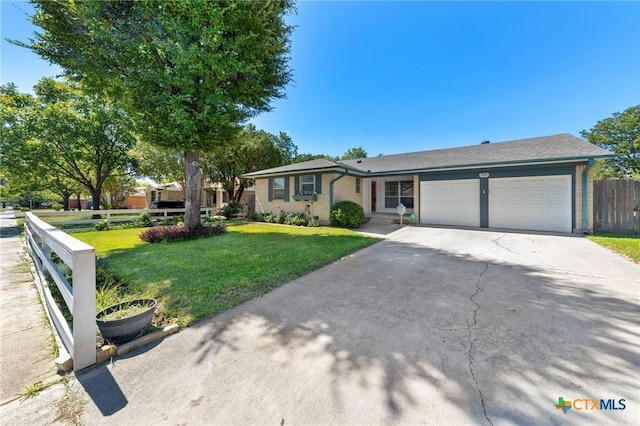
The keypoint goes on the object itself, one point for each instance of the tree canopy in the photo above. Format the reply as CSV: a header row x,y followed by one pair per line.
x,y
350,154
620,134
63,140
187,73
251,150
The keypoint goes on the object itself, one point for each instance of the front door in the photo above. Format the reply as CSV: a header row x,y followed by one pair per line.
x,y
373,196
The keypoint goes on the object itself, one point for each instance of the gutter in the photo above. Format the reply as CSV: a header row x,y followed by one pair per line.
x,y
334,180
585,172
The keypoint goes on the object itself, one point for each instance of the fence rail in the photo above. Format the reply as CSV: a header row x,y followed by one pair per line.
x,y
616,205
86,217
78,338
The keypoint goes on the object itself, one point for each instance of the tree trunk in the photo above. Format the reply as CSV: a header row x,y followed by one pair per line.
x,y
193,189
66,196
79,202
95,195
238,195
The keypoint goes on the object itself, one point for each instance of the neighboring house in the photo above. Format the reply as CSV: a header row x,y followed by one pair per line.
x,y
542,184
213,195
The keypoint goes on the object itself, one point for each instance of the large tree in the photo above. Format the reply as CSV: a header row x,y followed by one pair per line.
x,y
188,73
159,164
251,150
354,153
63,139
620,134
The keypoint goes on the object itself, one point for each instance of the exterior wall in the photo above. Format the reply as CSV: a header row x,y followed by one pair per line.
x,y
165,195
135,201
73,204
206,199
578,199
344,189
416,196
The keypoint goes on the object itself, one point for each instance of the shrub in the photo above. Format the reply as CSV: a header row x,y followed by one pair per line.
x,y
313,222
178,219
347,214
230,209
144,221
24,209
179,233
214,219
258,217
57,206
295,219
101,226
269,218
280,217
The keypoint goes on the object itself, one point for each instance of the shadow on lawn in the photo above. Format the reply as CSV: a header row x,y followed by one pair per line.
x,y
405,332
199,278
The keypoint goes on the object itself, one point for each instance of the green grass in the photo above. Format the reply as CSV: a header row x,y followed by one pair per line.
x,y
626,245
195,279
109,242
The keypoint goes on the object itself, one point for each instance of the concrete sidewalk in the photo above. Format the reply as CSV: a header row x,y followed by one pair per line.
x,y
26,356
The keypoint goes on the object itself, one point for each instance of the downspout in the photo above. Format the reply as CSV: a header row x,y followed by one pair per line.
x,y
334,180
585,172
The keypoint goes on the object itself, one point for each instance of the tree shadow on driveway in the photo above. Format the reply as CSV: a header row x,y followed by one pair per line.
x,y
401,333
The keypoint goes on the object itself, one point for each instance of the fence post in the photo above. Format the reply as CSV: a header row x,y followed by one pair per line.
x,y
84,308
108,218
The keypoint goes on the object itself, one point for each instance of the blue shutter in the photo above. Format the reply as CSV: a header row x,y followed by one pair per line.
x,y
296,185
270,196
286,188
319,183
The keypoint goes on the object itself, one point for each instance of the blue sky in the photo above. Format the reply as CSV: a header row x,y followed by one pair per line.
x,y
408,76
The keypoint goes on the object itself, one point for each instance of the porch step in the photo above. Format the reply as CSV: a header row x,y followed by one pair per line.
x,y
382,219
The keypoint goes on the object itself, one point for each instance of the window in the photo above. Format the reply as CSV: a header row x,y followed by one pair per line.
x,y
308,184
398,192
357,185
278,188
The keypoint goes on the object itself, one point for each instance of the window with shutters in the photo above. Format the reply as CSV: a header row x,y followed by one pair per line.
x,y
278,188
307,184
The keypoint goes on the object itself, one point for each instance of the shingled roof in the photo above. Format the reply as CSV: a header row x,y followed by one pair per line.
x,y
547,149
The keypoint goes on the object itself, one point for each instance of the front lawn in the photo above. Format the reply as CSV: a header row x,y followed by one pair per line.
x,y
626,245
195,279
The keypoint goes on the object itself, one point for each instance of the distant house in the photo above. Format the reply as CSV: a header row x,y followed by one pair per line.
x,y
541,184
213,195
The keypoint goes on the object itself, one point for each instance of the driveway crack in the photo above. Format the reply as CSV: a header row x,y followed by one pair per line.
x,y
470,340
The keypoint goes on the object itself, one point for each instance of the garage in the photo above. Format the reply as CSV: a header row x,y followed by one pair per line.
x,y
450,202
540,203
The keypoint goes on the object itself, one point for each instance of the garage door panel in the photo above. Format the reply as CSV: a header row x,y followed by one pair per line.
x,y
541,203
450,202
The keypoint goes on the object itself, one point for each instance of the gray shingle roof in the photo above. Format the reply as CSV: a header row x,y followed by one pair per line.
x,y
317,164
562,147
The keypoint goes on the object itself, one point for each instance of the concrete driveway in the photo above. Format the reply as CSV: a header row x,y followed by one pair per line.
x,y
431,326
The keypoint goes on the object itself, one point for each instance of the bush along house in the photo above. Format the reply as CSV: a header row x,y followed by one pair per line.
x,y
539,184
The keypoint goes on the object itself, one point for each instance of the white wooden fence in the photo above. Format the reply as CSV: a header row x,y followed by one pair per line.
x,y
79,338
85,217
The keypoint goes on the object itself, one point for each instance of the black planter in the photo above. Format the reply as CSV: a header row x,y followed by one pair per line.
x,y
125,329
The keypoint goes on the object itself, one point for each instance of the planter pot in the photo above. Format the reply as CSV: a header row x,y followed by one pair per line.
x,y
305,197
122,330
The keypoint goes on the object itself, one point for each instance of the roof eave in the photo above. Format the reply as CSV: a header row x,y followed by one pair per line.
x,y
579,159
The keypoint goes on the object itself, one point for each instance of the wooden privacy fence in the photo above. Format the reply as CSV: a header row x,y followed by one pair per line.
x,y
616,205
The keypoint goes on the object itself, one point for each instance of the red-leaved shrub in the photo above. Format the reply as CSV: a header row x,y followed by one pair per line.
x,y
177,233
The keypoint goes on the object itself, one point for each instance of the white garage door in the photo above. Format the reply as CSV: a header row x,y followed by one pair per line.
x,y
541,203
450,202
